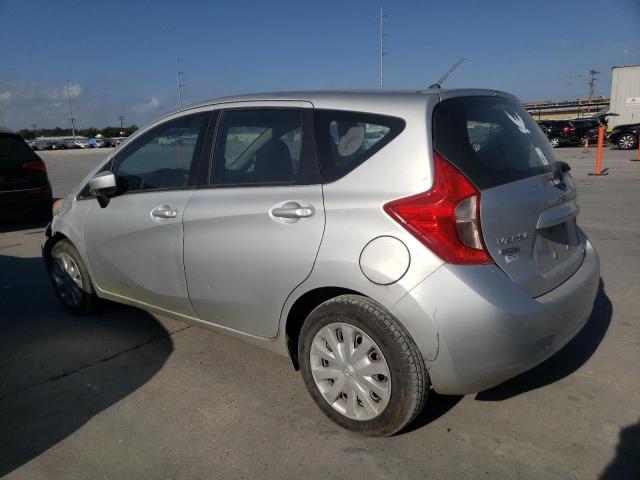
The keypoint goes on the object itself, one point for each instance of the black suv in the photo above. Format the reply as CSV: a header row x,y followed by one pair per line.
x,y
625,136
570,132
24,185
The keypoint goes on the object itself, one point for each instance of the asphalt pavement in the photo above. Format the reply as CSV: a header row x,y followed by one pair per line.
x,y
124,394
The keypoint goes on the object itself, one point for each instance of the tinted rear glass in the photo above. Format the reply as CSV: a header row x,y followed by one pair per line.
x,y
491,140
14,149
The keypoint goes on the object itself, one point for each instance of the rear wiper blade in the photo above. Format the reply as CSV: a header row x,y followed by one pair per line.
x,y
560,167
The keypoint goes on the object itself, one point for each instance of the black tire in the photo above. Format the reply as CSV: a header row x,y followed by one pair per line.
x,y
86,302
627,141
409,377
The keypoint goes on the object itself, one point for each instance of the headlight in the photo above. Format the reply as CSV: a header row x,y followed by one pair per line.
x,y
57,206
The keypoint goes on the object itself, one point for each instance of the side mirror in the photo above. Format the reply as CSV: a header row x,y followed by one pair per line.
x,y
102,186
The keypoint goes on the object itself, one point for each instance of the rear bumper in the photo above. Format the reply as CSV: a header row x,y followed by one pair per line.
x,y
26,199
489,330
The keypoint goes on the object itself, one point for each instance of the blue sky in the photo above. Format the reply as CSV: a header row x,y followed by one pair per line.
x,y
120,57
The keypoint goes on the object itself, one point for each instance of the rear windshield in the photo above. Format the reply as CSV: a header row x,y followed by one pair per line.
x,y
13,148
491,140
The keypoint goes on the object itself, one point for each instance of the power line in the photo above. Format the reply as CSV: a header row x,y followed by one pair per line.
x,y
382,52
73,126
179,73
592,82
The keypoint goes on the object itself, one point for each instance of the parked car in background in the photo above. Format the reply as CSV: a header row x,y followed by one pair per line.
x,y
569,132
39,145
24,184
82,144
585,128
58,145
343,230
625,136
97,143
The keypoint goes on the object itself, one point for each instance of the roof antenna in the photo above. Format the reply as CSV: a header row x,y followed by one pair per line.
x,y
439,83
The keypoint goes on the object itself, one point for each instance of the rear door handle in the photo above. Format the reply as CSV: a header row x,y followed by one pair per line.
x,y
164,211
293,210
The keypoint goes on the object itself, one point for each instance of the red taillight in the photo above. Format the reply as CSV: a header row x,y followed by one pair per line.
x,y
35,165
445,218
567,129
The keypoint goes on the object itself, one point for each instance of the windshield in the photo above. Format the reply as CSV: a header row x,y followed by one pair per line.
x,y
491,140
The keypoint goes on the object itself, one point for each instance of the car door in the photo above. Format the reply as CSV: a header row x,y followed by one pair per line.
x,y
134,244
253,234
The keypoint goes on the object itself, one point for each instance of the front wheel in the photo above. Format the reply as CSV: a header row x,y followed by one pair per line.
x,y
71,279
555,142
361,366
627,141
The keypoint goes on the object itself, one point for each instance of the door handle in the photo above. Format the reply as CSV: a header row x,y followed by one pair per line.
x,y
165,211
293,211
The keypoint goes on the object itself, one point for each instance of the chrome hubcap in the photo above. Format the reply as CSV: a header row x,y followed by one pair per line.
x,y
350,371
626,142
67,278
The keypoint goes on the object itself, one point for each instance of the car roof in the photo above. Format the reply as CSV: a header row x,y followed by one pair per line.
x,y
350,99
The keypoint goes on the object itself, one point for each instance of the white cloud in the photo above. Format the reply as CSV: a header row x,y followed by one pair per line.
x,y
146,107
25,102
75,90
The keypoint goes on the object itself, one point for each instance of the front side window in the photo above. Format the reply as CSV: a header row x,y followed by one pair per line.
x,y
347,139
163,158
262,147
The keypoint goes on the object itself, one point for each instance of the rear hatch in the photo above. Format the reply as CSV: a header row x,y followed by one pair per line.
x,y
16,173
528,203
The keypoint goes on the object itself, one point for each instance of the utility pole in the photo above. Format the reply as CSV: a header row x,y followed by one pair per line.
x,y
179,73
592,82
121,117
34,128
73,126
1,119
382,52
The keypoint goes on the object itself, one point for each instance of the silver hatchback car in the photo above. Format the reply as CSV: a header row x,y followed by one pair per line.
x,y
388,243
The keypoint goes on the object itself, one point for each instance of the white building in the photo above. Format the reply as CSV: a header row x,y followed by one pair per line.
x,y
625,95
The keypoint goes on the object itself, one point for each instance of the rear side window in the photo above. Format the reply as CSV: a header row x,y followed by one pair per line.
x,y
264,147
491,140
347,139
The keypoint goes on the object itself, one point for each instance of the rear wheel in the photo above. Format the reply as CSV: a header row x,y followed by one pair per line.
x,y
71,279
361,366
555,142
627,141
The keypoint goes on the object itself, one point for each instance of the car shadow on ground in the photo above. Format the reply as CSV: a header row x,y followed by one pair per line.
x,y
564,362
626,463
57,371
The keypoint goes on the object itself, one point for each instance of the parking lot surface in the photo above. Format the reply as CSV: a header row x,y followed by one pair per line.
x,y
126,395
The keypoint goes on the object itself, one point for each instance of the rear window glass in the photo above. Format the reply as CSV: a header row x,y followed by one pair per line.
x,y
14,148
346,139
491,140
